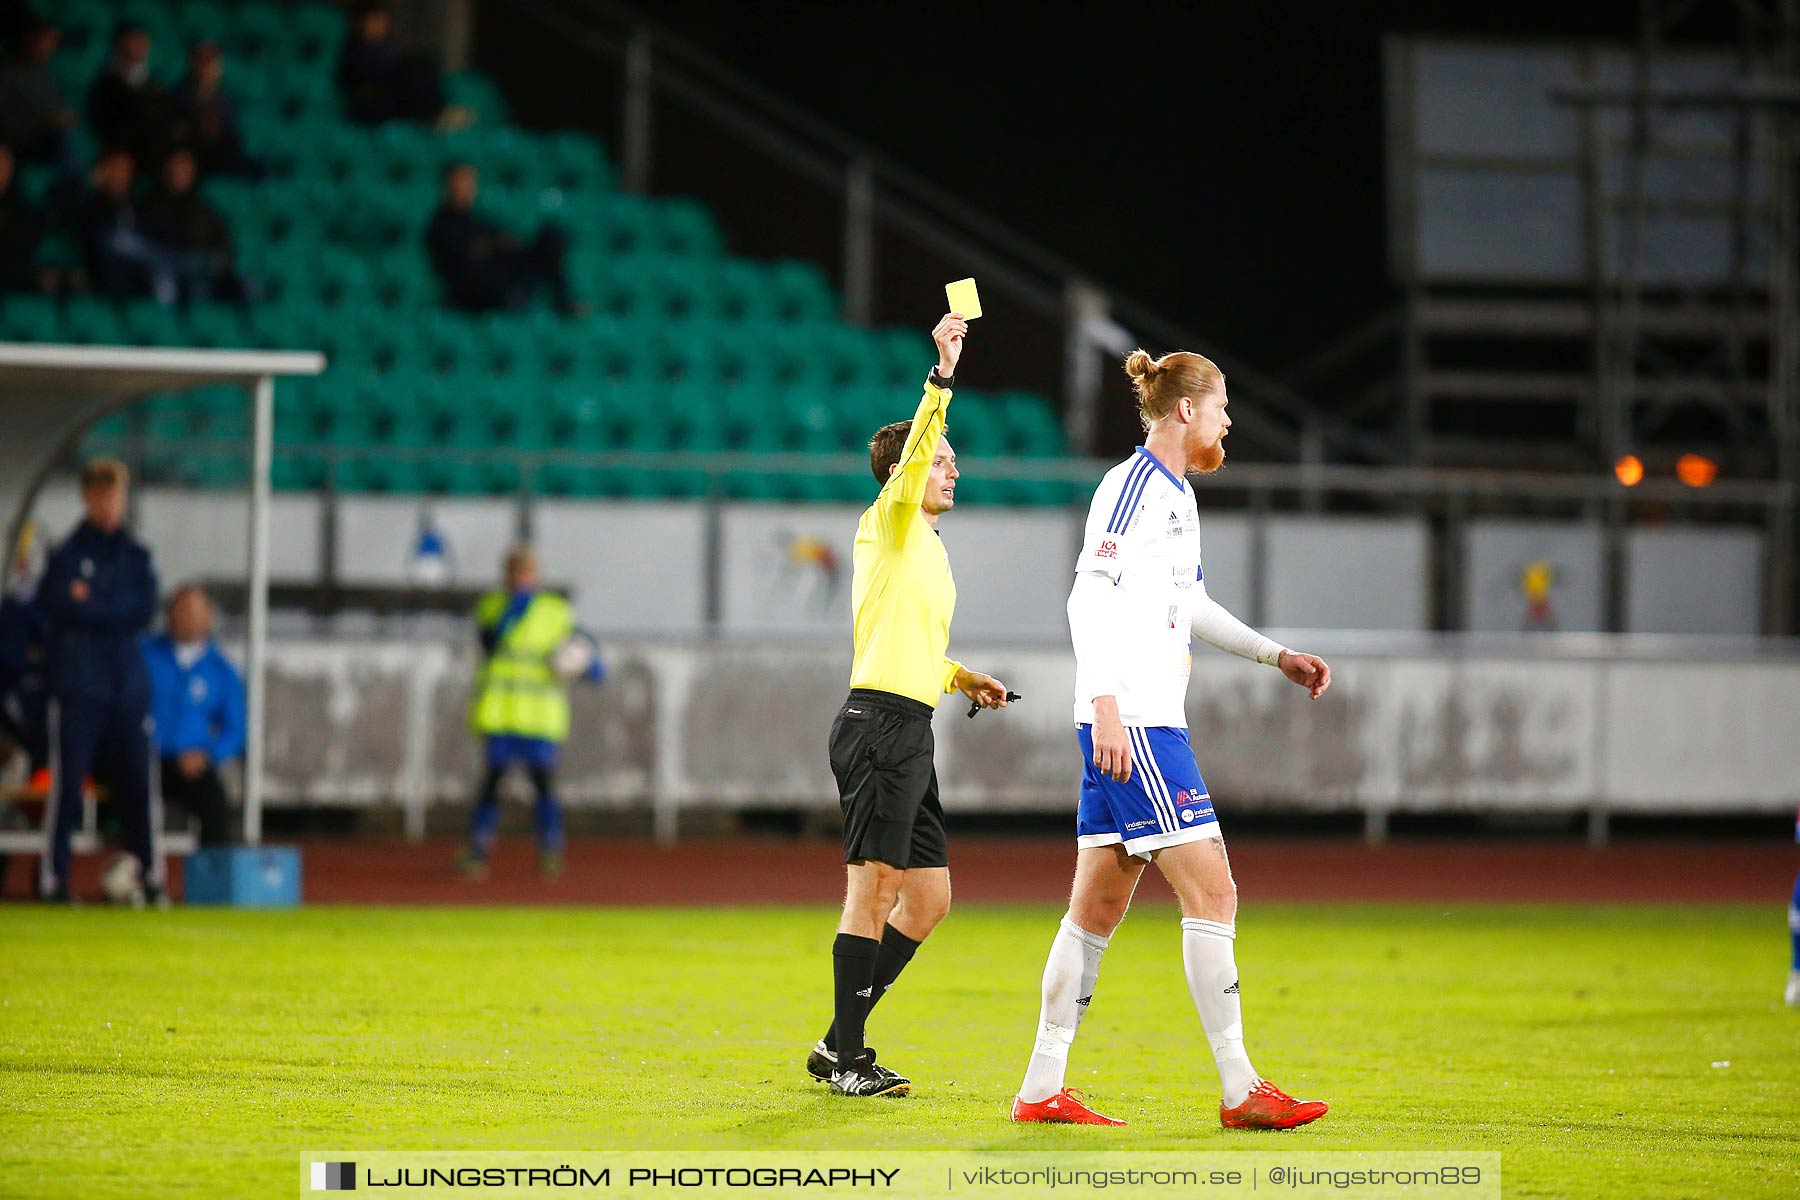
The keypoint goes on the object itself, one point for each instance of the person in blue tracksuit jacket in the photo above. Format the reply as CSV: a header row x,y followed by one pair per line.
x,y
197,700
97,596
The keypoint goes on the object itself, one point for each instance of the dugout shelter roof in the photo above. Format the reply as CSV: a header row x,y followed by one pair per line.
x,y
50,395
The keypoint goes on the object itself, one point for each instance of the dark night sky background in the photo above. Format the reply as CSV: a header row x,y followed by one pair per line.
x,y
1220,161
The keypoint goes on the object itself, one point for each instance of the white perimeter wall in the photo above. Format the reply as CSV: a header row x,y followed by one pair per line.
x,y
640,568
744,724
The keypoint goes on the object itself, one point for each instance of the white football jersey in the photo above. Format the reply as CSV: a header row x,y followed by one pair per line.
x,y
1143,535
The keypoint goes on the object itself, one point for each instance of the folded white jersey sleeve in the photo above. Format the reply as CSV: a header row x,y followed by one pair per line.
x,y
1095,627
1216,626
1106,545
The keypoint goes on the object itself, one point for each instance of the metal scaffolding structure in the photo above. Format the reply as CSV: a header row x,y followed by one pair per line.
x,y
1646,331
1670,322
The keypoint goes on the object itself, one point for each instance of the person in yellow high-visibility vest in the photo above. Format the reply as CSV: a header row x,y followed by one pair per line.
x,y
520,705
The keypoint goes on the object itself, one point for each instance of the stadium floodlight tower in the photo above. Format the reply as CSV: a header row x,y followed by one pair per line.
x,y
50,395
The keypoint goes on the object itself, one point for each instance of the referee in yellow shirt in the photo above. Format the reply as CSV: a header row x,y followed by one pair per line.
x,y
895,854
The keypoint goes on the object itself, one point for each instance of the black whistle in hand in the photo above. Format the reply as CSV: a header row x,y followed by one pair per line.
x,y
975,705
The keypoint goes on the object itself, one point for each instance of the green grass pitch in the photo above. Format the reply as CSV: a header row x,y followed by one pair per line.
x,y
197,1053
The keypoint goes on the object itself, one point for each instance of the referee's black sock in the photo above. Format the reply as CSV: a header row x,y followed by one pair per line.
x,y
896,951
853,962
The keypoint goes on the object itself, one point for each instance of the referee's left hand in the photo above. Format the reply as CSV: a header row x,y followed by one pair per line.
x,y
1307,670
984,690
949,336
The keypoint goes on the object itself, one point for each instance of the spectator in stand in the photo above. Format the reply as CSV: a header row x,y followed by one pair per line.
x,y
122,260
382,82
481,266
34,116
197,700
210,116
180,221
21,229
128,109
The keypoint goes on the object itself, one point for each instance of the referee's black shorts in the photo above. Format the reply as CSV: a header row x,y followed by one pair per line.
x,y
881,755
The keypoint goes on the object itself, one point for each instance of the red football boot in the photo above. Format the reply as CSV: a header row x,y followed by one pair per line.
x,y
1064,1108
1268,1107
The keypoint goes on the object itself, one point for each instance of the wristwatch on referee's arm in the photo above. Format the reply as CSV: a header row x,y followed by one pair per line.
x,y
946,382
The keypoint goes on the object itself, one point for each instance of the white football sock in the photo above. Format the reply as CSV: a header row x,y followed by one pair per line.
x,y
1213,980
1069,975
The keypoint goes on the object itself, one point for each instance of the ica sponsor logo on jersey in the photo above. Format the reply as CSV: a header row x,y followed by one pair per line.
x,y
1108,548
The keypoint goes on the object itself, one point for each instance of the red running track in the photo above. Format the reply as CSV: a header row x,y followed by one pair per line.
x,y
790,871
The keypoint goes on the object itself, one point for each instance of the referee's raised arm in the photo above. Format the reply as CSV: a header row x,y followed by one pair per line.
x,y
905,487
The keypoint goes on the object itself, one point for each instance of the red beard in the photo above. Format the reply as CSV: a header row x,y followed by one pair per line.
x,y
1210,458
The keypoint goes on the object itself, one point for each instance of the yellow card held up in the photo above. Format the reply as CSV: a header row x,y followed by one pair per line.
x,y
963,298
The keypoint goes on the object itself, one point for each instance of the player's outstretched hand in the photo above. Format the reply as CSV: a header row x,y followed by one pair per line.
x,y
1308,670
984,690
949,336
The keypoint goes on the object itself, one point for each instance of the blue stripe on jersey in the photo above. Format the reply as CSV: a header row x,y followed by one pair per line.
x,y
1132,476
1128,501
1167,474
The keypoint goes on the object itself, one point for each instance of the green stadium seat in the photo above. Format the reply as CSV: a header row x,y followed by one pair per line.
x,y
91,321
407,156
255,32
220,412
295,472
474,90
341,281
574,162
403,282
521,426
739,358
802,293
902,357
449,476
807,419
147,323
30,319
214,469
974,427
372,473
199,20
623,225
684,227
682,351
750,485
841,356
315,33
86,24
558,479
738,291
442,349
